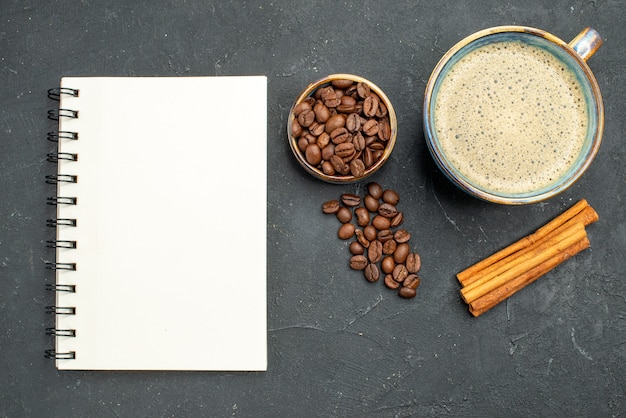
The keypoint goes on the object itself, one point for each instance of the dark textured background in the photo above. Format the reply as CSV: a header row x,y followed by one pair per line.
x,y
338,346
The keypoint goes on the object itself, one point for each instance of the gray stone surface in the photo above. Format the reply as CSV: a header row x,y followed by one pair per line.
x,y
338,346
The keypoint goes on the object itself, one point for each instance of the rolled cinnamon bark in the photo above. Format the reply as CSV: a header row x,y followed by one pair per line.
x,y
550,248
466,276
493,298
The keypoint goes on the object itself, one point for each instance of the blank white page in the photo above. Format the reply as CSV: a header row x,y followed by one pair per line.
x,y
171,224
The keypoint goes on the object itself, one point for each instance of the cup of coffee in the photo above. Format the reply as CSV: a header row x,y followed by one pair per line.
x,y
513,114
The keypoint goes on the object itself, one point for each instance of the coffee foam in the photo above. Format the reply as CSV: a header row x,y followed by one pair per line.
x,y
511,117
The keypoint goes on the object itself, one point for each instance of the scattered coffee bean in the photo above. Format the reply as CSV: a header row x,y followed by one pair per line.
x,y
389,247
412,281
371,273
371,203
375,251
401,253
401,236
356,248
413,262
344,215
370,232
346,231
381,223
358,262
391,283
391,197
350,199
332,206
385,235
387,210
375,190
360,237
378,245
397,220
387,264
407,292
400,273
362,216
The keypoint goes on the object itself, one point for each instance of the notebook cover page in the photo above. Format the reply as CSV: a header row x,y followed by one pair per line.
x,y
171,224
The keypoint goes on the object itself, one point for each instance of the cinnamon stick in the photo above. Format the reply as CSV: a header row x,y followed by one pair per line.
x,y
493,298
524,242
587,216
528,261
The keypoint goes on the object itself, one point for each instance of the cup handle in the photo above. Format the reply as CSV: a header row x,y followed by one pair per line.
x,y
586,43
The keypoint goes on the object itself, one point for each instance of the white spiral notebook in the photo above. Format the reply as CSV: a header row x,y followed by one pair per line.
x,y
161,223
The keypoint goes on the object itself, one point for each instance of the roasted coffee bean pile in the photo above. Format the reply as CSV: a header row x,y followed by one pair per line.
x,y
379,246
342,128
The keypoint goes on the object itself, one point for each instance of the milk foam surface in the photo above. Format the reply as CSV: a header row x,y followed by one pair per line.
x,y
511,117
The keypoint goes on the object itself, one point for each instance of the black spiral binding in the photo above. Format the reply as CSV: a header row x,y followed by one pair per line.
x,y
54,179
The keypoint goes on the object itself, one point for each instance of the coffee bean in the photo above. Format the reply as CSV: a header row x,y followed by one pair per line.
x,y
363,90
313,154
359,143
384,128
370,128
413,262
387,264
316,129
301,107
346,231
334,122
390,196
368,158
370,232
353,122
360,237
327,168
407,292
387,210
397,220
328,152
296,129
339,165
306,118
391,283
389,247
370,106
380,222
342,83
411,281
401,253
358,262
322,113
385,235
400,273
375,190
357,167
344,215
350,199
356,248
371,273
371,203
340,136
332,206
402,236
375,251
362,216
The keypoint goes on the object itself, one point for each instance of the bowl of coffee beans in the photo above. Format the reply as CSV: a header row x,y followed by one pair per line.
x,y
342,128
